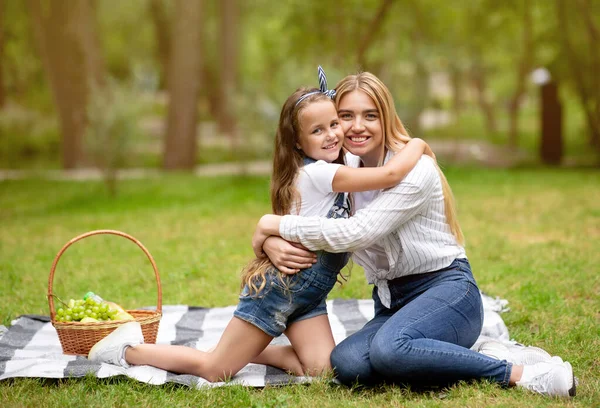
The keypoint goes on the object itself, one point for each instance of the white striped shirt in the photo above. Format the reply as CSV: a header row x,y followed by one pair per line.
x,y
408,221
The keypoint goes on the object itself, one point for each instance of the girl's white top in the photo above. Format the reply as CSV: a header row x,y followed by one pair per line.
x,y
395,232
315,186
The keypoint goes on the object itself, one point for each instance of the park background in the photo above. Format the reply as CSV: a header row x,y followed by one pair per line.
x,y
157,118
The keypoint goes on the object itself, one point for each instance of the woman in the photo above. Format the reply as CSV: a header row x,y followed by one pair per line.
x,y
428,309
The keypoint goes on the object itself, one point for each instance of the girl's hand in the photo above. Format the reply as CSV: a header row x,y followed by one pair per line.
x,y
267,226
426,149
288,257
258,240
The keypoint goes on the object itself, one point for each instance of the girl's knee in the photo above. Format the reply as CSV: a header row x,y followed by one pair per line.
x,y
317,366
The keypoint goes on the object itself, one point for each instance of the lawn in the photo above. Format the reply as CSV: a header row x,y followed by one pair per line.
x,y
533,237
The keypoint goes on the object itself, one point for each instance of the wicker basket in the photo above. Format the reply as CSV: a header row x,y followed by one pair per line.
x,y
78,338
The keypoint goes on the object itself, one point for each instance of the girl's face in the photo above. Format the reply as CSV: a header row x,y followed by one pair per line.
x,y
321,136
361,122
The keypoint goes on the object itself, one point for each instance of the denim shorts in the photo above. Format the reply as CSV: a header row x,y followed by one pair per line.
x,y
286,299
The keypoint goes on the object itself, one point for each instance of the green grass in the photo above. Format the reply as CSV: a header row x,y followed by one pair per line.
x,y
532,237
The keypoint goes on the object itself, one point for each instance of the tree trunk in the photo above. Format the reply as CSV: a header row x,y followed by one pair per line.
x,y
420,89
87,29
487,108
229,68
523,69
183,86
594,67
456,81
162,31
211,87
372,30
2,88
66,41
420,80
590,100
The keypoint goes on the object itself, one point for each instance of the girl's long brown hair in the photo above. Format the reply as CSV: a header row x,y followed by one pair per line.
x,y
287,160
395,134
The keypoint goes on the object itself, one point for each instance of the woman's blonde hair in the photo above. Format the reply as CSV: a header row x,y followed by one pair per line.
x,y
287,160
395,134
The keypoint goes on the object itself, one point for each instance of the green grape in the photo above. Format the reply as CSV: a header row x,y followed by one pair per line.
x,y
68,318
71,303
95,309
60,311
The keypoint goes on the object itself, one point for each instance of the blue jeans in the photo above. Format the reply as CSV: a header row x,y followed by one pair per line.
x,y
424,338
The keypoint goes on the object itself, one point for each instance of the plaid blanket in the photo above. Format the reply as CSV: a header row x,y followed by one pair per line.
x,y
30,346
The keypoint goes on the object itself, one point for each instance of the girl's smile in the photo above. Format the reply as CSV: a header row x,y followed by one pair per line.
x,y
320,136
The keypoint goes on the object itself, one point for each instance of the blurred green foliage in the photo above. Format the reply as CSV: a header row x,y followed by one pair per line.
x,y
414,46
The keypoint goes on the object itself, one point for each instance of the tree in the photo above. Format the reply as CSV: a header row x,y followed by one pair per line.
x,y
2,91
372,30
478,41
228,52
524,67
580,47
160,20
70,52
183,84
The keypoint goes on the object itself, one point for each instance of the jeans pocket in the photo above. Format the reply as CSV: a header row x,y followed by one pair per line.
x,y
464,266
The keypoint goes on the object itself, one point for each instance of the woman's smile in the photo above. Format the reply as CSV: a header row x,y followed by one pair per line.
x,y
361,122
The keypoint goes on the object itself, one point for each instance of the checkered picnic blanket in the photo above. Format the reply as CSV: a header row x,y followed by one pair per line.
x,y
30,346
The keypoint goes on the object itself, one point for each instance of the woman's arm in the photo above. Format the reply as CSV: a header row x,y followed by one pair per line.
x,y
386,213
350,179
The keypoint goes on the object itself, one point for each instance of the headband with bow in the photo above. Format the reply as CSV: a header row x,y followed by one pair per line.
x,y
322,87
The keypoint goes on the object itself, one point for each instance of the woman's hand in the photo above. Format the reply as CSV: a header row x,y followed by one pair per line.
x,y
267,226
288,257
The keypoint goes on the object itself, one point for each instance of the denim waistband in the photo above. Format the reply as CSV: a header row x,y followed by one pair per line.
x,y
403,280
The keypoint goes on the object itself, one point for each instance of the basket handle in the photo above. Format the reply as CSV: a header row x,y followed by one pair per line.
x,y
100,232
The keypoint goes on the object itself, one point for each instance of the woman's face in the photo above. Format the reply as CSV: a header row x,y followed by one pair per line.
x,y
362,126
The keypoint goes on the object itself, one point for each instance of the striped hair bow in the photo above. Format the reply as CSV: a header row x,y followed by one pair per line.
x,y
322,87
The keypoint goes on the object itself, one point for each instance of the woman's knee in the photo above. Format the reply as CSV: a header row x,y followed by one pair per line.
x,y
387,352
350,364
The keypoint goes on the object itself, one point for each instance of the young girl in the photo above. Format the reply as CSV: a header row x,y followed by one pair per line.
x,y
307,176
